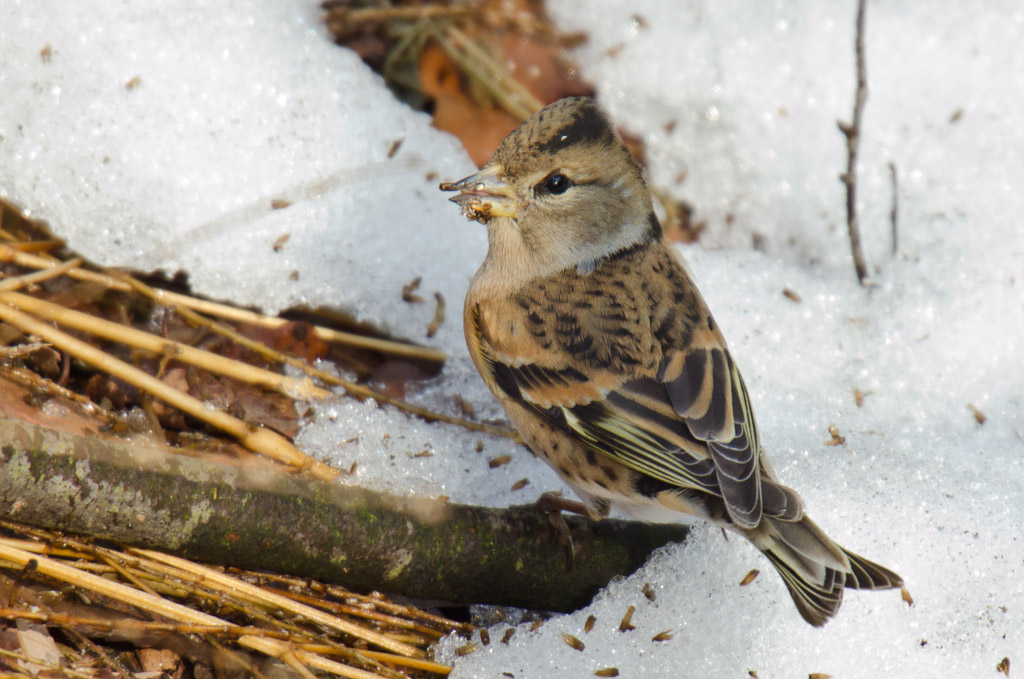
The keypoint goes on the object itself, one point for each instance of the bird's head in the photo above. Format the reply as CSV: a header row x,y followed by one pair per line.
x,y
561,190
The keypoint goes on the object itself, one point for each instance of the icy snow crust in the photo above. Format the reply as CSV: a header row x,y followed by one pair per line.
x,y
243,102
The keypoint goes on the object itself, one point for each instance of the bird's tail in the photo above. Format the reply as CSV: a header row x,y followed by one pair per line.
x,y
816,569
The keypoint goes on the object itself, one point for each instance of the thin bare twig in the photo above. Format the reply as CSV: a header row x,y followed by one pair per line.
x,y
894,213
852,133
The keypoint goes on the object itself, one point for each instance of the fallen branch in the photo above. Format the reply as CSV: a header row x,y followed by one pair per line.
x,y
254,517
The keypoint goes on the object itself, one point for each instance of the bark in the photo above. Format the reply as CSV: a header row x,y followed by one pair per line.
x,y
255,517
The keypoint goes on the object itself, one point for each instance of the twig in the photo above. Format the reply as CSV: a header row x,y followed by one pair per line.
x,y
894,213
261,440
852,133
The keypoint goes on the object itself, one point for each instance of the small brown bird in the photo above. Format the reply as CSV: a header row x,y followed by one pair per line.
x,y
586,326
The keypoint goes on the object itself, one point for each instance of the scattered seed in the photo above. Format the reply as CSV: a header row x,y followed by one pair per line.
x,y
1004,666
279,203
394,147
607,672
133,83
819,675
589,624
836,439
46,53
443,498
485,637
507,636
858,397
627,620
649,591
465,650
957,115
663,636
906,596
294,275
281,240
536,625
752,674
572,641
791,295
496,462
520,484
422,453
749,577
352,469
508,674
978,415
408,291
435,323
479,446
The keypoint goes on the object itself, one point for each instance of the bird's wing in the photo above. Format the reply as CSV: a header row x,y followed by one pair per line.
x,y
687,425
707,393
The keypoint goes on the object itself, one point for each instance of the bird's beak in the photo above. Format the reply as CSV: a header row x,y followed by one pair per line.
x,y
484,195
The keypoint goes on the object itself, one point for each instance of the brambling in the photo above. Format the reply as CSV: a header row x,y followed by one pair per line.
x,y
585,324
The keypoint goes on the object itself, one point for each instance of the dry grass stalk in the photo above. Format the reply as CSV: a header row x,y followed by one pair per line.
x,y
188,307
354,389
174,299
116,332
263,441
299,635
488,73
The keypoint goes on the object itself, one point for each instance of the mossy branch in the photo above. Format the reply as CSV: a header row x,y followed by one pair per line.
x,y
254,517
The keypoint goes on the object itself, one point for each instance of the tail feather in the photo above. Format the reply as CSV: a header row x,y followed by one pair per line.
x,y
815,569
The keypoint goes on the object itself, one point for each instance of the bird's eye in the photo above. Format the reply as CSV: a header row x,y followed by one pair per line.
x,y
555,184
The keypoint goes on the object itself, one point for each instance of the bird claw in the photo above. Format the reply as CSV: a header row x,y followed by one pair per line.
x,y
553,504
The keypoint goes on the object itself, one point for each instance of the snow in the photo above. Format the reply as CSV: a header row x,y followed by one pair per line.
x,y
244,102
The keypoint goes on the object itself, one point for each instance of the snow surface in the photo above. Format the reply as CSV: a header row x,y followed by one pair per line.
x,y
242,102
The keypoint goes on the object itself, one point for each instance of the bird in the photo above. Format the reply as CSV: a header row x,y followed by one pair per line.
x,y
588,329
